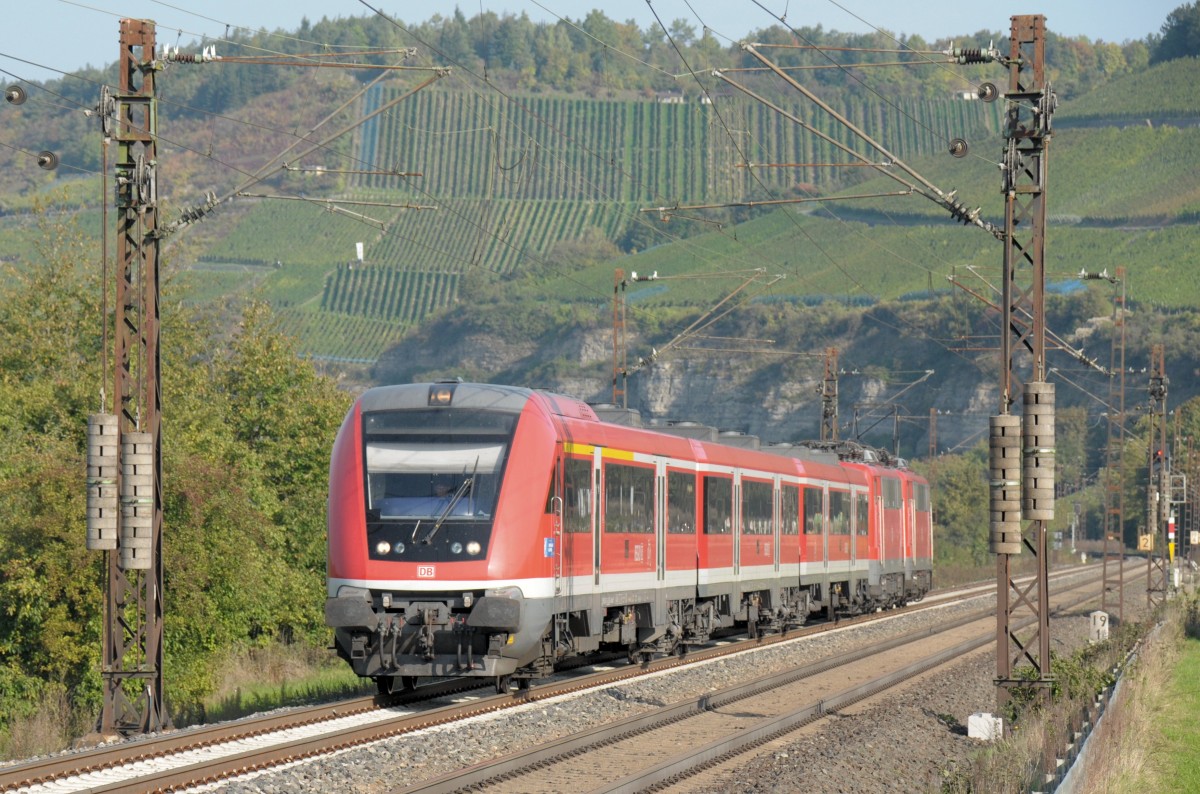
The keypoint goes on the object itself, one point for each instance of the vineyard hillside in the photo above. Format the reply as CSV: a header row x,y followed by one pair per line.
x,y
467,189
508,186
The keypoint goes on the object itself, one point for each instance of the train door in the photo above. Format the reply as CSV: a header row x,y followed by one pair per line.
x,y
628,548
837,525
680,550
862,529
910,525
756,545
893,521
575,554
814,530
597,506
777,522
716,545
924,525
790,523
554,507
660,523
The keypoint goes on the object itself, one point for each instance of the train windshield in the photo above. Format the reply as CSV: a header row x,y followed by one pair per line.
x,y
435,463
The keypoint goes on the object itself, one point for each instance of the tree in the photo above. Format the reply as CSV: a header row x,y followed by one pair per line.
x,y
246,433
1180,35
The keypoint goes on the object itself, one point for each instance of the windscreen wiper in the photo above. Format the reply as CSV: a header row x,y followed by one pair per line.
x,y
454,500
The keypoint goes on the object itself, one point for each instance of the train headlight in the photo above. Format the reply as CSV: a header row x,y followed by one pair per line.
x,y
456,548
473,548
383,547
398,548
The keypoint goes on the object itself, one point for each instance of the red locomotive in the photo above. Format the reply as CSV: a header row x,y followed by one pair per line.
x,y
484,530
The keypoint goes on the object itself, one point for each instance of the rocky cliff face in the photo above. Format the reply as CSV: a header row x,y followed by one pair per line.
x,y
775,397
883,351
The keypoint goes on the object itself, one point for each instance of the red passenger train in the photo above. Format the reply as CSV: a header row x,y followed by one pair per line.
x,y
485,530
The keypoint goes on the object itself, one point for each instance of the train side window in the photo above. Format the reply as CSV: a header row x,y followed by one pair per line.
x,y
921,495
814,514
891,493
757,508
577,495
862,518
839,513
718,499
681,503
628,498
789,509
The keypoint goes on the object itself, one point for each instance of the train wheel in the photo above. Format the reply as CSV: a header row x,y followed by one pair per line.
x,y
387,684
502,682
408,682
681,650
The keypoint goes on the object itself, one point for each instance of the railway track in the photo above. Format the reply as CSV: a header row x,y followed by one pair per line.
x,y
187,758
671,743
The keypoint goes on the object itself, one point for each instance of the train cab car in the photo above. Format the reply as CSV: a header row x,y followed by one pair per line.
x,y
493,531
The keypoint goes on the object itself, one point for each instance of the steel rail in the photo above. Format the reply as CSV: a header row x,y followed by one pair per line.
x,y
47,770
517,764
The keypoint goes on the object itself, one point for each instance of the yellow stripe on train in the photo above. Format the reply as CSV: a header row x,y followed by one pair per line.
x,y
587,449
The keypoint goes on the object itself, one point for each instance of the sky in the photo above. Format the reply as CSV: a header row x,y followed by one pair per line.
x,y
64,35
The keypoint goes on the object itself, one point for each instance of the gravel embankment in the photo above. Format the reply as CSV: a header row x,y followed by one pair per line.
x,y
881,746
904,742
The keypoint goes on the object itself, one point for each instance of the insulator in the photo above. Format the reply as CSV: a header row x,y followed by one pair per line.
x,y
14,95
988,92
959,212
958,147
137,500
47,160
103,435
1005,485
1037,465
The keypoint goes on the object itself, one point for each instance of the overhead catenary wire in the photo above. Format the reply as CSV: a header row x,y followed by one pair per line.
x,y
527,252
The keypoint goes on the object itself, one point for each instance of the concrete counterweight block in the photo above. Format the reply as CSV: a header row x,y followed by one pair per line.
x,y
137,500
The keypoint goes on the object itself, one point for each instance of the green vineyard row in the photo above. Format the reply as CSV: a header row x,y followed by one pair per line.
x,y
400,296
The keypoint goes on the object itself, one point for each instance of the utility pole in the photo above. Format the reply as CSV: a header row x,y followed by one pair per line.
x,y
620,377
1022,449
1187,518
1113,587
933,444
132,672
829,397
1157,564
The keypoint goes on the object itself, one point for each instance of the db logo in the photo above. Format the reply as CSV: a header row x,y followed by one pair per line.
x,y
425,572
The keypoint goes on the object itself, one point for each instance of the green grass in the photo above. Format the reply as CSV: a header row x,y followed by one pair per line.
x,y
326,683
1097,176
840,260
217,282
339,336
1179,760
1167,90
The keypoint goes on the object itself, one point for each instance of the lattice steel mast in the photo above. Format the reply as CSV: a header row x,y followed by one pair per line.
x,y
132,671
1113,588
1022,449
1157,565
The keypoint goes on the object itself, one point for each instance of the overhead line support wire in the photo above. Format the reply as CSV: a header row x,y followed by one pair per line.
x,y
866,161
1025,321
704,320
955,208
861,65
341,201
266,170
668,211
